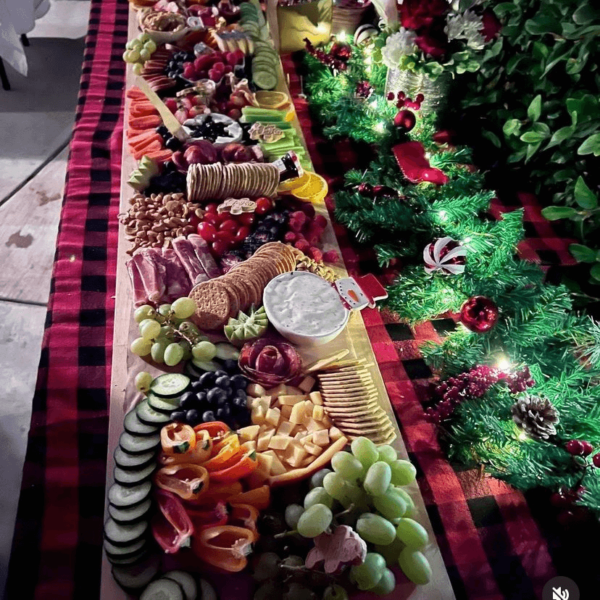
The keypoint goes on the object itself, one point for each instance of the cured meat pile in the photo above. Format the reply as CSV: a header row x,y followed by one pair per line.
x,y
161,275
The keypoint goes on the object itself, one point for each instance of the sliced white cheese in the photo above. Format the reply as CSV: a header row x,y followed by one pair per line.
x,y
256,390
286,411
312,425
263,440
313,448
280,442
335,434
297,414
294,391
321,437
318,413
286,428
273,415
248,433
291,400
259,414
249,446
275,392
295,454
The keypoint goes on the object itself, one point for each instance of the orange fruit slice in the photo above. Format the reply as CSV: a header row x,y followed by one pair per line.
x,y
314,190
271,99
293,184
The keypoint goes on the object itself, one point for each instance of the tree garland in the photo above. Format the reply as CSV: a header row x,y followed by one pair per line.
x,y
519,433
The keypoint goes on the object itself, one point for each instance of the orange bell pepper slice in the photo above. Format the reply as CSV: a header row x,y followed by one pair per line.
x,y
186,480
244,515
218,492
241,468
225,547
228,457
216,429
197,456
230,439
176,438
259,497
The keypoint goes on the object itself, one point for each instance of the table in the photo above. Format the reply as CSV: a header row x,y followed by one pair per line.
x,y
492,546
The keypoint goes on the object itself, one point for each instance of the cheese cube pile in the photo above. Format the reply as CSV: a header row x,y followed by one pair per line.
x,y
290,428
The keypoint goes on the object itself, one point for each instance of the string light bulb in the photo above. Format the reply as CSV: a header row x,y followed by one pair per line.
x,y
342,36
379,127
503,364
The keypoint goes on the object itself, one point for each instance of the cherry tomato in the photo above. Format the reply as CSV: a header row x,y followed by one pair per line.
x,y
241,234
246,219
219,248
211,208
194,220
211,218
263,205
228,225
225,236
222,217
207,231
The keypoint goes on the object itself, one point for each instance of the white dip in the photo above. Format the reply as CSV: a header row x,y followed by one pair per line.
x,y
304,303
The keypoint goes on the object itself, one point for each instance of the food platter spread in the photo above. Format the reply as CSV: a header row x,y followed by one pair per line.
x,y
253,451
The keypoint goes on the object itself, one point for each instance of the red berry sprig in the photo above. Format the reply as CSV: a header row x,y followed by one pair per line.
x,y
403,101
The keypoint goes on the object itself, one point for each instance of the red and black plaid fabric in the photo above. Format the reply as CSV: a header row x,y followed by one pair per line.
x,y
492,547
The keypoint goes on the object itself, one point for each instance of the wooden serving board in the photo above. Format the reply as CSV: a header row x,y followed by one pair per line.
x,y
126,365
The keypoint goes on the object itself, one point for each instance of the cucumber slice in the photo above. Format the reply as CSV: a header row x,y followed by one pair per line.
x,y
127,560
131,513
138,576
124,535
186,581
170,385
192,371
123,551
132,461
124,497
132,477
163,589
160,406
265,80
137,444
134,426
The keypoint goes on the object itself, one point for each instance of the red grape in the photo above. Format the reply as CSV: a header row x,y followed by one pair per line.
x,y
210,217
263,205
246,219
228,225
219,248
207,231
242,233
225,236
211,207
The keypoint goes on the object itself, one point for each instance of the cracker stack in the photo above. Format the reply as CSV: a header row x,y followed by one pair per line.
x,y
350,399
219,299
217,181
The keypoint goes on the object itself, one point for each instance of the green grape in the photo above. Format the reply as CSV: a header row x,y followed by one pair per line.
x,y
314,521
386,584
167,332
367,575
335,485
317,479
150,46
349,467
318,495
365,450
378,479
390,505
138,68
164,310
375,529
141,347
415,566
387,454
127,56
128,45
187,349
134,55
143,312
145,54
209,365
149,329
136,43
356,496
413,534
293,512
144,37
403,472
410,505
184,308
335,592
143,380
204,351
390,552
189,329
173,354
158,350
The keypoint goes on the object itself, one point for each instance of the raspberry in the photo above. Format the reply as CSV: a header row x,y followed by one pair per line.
x,y
315,254
299,216
296,225
313,235
302,245
320,221
308,210
290,236
331,256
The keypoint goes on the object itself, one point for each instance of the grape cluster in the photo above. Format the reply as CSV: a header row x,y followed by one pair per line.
x,y
168,181
138,51
176,64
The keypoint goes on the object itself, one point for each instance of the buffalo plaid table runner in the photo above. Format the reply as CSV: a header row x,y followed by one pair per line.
x,y
492,547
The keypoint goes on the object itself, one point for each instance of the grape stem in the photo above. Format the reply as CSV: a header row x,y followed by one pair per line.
x,y
305,569
344,512
285,533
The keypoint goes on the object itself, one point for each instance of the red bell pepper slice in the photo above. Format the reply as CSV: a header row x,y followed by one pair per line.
x,y
172,527
216,429
205,518
186,480
241,468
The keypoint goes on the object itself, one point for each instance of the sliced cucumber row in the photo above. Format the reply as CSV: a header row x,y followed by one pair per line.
x,y
170,385
137,576
135,426
133,461
131,477
130,514
160,408
178,585
121,534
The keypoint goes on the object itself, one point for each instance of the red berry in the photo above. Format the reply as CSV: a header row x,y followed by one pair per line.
x,y
219,248
401,95
211,207
194,220
189,72
246,219
313,235
308,209
596,460
566,518
225,236
587,448
419,98
241,234
296,225
400,104
219,66
263,205
207,231
574,447
171,104
331,256
302,245
390,96
558,500
228,225
320,221
315,254
290,237
210,217
300,217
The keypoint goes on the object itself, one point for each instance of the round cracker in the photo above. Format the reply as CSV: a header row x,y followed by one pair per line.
x,y
213,305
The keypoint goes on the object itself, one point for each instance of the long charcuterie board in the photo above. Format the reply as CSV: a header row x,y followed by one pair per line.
x,y
352,343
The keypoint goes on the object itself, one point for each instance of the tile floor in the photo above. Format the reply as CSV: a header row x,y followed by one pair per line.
x,y
36,118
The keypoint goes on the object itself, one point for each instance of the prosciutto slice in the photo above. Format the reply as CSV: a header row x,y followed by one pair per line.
x,y
202,252
137,284
178,283
151,273
186,255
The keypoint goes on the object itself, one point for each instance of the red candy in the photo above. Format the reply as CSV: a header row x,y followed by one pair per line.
x,y
241,234
246,219
263,205
228,225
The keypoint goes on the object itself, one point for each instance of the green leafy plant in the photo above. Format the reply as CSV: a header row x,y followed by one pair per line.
x,y
537,101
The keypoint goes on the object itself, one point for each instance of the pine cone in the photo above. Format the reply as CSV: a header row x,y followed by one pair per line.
x,y
537,416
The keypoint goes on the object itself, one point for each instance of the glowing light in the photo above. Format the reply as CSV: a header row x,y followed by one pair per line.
x,y
368,61
523,436
342,36
373,104
442,215
322,28
467,240
503,364
379,127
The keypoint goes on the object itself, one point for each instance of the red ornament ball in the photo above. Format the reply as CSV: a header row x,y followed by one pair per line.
x,y
405,120
390,96
479,314
574,447
596,460
341,51
587,448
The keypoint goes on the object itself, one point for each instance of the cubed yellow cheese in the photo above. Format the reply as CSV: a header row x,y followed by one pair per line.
x,y
312,425
272,416
263,440
299,435
308,409
256,390
280,442
277,467
316,398
248,446
297,413
307,437
264,461
264,401
294,391
335,434
248,433
318,413
286,411
280,390
313,448
327,421
298,454
307,384
321,437
286,428
258,414
291,400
